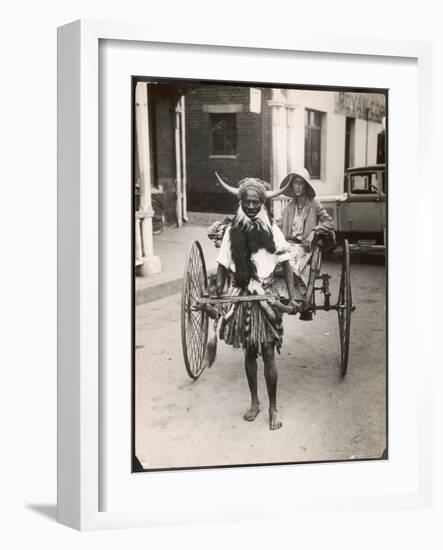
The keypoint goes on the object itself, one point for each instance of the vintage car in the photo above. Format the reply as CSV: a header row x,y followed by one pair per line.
x,y
359,212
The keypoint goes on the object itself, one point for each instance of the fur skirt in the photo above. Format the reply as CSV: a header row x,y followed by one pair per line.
x,y
247,325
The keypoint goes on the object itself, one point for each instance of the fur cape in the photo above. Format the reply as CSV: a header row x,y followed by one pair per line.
x,y
248,237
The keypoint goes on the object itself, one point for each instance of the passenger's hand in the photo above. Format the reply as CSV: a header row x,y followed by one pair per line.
x,y
307,243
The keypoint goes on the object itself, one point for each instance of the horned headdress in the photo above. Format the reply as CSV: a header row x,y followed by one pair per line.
x,y
252,183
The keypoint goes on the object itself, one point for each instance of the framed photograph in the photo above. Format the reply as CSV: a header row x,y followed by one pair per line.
x,y
332,142
231,277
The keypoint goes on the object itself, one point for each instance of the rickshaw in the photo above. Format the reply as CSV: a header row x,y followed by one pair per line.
x,y
198,306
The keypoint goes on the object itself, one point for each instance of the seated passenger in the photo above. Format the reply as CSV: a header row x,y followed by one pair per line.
x,y
301,220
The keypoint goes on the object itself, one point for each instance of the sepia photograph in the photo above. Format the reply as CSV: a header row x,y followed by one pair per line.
x,y
260,245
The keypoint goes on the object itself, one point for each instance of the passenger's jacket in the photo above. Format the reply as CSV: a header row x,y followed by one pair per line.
x,y
316,218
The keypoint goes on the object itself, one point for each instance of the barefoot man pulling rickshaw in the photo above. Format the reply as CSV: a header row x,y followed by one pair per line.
x,y
251,249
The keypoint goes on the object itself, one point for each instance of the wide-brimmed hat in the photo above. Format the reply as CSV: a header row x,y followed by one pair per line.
x,y
304,174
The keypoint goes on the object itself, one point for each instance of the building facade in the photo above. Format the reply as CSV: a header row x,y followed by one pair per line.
x,y
267,133
184,132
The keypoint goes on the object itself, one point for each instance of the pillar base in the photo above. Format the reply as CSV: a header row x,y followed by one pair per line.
x,y
151,266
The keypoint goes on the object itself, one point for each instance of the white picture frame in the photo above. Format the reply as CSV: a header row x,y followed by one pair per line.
x,y
81,413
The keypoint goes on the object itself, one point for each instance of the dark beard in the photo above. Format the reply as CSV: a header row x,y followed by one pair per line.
x,y
246,241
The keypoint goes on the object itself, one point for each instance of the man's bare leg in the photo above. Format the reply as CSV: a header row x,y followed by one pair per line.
x,y
251,375
271,378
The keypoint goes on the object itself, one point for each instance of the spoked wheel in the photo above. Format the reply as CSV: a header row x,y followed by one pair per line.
x,y
194,323
345,309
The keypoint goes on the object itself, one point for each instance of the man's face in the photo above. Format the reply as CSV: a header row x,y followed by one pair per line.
x,y
251,203
299,186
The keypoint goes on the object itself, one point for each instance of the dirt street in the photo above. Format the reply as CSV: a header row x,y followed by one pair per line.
x,y
182,423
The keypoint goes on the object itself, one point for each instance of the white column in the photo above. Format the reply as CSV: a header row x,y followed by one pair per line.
x,y
279,160
151,264
183,150
291,132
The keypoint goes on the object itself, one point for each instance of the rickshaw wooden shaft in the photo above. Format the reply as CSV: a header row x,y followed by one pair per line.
x,y
226,299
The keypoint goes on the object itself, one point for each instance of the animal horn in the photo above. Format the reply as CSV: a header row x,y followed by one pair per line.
x,y
232,190
272,194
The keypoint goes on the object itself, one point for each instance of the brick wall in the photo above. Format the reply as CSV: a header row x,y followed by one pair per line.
x,y
253,146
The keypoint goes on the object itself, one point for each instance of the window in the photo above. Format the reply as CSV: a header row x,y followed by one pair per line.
x,y
313,124
223,134
364,184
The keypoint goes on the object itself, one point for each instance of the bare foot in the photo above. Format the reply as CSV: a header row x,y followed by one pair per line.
x,y
274,422
252,413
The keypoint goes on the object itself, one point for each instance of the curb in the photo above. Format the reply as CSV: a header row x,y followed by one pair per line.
x,y
150,294
157,292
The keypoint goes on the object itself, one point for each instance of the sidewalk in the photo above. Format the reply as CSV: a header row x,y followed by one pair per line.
x,y
172,247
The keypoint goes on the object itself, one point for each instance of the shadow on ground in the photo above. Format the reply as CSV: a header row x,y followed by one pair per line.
x,y
48,511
